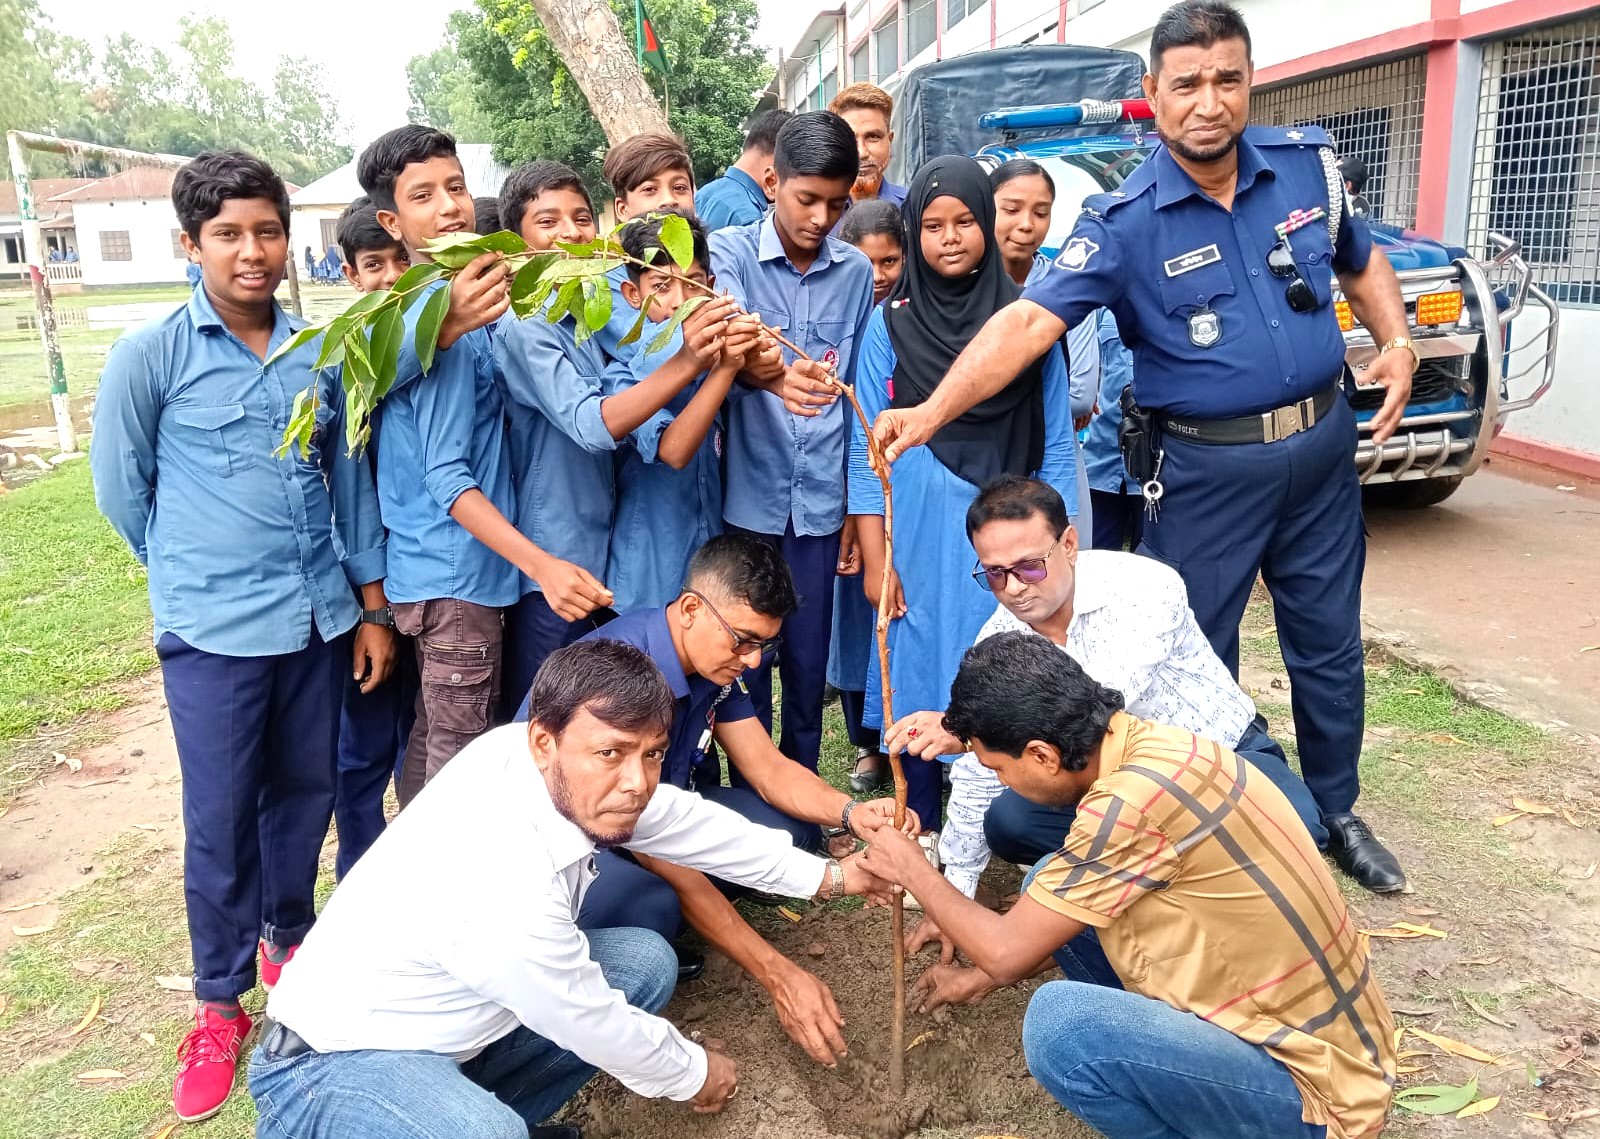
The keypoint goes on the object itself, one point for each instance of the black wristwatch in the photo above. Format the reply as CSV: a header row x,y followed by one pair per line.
x,y
384,617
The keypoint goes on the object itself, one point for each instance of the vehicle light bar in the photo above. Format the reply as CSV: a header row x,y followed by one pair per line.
x,y
1084,113
1439,308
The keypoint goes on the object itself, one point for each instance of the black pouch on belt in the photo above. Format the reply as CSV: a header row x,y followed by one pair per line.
x,y
1139,437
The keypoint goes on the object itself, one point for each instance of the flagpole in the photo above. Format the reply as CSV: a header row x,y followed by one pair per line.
x,y
638,32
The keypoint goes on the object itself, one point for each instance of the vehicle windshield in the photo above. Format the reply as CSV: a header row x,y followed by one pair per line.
x,y
1077,176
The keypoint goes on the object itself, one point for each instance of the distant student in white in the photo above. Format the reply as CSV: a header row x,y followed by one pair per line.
x,y
447,992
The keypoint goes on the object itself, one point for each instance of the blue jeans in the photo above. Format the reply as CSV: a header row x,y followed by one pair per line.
x,y
516,1083
1137,1068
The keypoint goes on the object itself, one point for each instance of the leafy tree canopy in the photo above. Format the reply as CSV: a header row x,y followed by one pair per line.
x,y
534,109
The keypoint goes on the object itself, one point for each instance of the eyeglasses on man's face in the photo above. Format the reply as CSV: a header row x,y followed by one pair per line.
x,y
742,645
1029,571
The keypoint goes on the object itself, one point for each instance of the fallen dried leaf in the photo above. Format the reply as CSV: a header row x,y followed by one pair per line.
x,y
165,1131
147,1037
20,906
788,913
922,1038
1443,738
1421,912
1590,649
1537,1115
1586,874
4,1001
31,930
1398,1033
1571,818
1528,806
61,760
1482,1107
1407,1069
1415,692
145,827
1502,820
1454,1047
1495,960
1402,931
177,984
88,1017
1580,1116
1485,1013
1423,930
102,1074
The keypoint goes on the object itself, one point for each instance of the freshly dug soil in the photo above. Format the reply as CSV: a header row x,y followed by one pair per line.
x,y
965,1073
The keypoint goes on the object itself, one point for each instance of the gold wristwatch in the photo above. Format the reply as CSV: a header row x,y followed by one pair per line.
x,y
1406,343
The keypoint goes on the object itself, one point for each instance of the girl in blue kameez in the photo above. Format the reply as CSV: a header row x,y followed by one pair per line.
x,y
954,281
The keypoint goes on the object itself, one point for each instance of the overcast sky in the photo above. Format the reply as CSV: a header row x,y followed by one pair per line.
x,y
362,44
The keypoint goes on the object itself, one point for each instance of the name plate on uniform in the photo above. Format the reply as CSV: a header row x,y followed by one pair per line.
x,y
1194,259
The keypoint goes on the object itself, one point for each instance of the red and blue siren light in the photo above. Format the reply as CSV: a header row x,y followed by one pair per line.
x,y
1086,112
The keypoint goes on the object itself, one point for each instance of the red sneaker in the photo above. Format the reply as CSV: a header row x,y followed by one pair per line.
x,y
273,959
207,1060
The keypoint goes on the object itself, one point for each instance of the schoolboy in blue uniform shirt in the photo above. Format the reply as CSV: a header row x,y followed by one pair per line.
x,y
252,597
669,479
739,197
564,426
1217,257
374,725
444,468
787,444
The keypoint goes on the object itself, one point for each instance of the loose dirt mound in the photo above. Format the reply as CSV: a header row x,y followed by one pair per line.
x,y
965,1072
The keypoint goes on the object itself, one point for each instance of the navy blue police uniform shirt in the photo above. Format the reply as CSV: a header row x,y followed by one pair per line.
x,y
1210,327
698,704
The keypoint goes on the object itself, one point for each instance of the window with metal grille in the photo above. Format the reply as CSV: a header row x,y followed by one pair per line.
x,y
860,68
1374,113
886,41
115,245
922,19
1536,161
957,10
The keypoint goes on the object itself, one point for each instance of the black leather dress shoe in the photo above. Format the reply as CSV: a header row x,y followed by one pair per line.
x,y
691,963
1359,854
554,1131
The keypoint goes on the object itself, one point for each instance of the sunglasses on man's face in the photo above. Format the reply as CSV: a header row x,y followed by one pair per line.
x,y
1029,571
1281,263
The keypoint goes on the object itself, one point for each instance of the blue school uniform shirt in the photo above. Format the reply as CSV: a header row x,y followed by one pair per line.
x,y
734,199
444,434
784,468
247,552
561,450
663,515
698,704
1101,452
1210,327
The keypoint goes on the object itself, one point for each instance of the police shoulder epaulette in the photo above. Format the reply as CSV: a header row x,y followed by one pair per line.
x,y
1099,205
1307,135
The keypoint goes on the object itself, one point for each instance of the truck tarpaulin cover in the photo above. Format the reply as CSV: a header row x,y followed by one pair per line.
x,y
937,109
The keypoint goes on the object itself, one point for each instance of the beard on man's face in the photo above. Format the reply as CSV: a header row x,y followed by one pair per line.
x,y
561,797
1201,154
868,183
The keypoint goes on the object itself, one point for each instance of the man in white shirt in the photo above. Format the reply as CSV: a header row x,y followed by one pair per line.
x,y
1126,620
446,992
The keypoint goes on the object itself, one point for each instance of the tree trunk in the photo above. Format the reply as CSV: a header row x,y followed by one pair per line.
x,y
586,35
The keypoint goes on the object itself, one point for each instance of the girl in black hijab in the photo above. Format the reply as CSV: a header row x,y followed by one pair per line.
x,y
954,281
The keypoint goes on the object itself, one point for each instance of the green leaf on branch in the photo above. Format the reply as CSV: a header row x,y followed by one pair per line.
x,y
388,333
636,331
651,253
664,337
415,278
299,340
596,305
429,322
528,279
568,268
302,425
526,306
578,307
678,239
332,353
1437,1099
457,250
577,249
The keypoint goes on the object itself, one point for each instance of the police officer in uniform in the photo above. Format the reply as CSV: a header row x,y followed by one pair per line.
x,y
1216,257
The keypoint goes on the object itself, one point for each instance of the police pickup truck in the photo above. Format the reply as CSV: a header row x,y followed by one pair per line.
x,y
1472,374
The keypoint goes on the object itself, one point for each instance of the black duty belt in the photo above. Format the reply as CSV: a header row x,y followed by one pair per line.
x,y
1268,427
280,1042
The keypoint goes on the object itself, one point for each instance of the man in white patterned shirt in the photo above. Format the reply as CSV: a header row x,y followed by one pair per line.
x,y
1126,619
447,992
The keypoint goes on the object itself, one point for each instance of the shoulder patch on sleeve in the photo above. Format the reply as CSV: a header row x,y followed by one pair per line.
x,y
1076,254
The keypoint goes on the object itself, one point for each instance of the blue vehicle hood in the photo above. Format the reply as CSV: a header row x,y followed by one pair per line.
x,y
1407,249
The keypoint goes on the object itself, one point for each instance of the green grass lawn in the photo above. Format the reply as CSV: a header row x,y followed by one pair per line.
x,y
74,619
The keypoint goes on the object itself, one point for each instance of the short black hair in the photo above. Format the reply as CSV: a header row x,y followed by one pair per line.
x,y
1354,171
761,136
215,176
358,231
1020,168
1012,498
486,215
380,165
1017,687
873,216
531,179
639,237
746,570
1196,23
819,144
618,683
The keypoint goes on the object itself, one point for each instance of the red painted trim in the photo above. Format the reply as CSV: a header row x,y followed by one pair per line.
x,y
938,30
1444,9
1061,23
994,17
1518,14
1582,463
1396,42
1438,112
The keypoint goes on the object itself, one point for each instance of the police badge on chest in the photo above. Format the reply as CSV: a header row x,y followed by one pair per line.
x,y
1205,327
